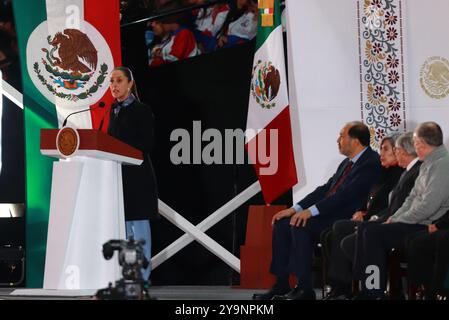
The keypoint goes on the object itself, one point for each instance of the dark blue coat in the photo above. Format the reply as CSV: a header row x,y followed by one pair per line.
x,y
134,125
352,193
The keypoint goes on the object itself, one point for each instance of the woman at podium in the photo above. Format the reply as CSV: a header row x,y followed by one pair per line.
x,y
133,122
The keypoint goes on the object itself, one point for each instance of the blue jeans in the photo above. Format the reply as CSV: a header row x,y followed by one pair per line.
x,y
140,229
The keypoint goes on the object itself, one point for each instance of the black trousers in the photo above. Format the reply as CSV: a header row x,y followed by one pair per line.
x,y
428,260
354,247
293,248
378,240
340,266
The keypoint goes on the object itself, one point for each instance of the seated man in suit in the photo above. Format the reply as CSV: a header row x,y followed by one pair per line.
x,y
428,201
297,229
344,258
428,258
339,268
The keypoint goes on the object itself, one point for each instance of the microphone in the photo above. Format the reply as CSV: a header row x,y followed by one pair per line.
x,y
114,105
100,105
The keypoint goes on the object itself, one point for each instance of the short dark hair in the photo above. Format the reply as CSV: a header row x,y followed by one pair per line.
x,y
360,131
431,133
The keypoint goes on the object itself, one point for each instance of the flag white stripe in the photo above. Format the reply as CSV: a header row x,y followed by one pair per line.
x,y
272,50
61,15
64,16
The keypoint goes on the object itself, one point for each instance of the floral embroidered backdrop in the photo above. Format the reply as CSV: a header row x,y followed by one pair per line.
x,y
382,67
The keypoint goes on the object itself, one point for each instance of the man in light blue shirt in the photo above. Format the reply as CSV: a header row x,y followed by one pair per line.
x,y
297,229
314,211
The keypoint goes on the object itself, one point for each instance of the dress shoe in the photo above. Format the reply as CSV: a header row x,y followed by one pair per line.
x,y
361,296
276,290
338,293
366,296
344,296
297,294
289,293
302,295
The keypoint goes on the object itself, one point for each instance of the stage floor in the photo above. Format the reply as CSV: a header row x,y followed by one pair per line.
x,y
159,292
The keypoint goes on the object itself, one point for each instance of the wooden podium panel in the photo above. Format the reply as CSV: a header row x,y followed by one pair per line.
x,y
93,144
255,255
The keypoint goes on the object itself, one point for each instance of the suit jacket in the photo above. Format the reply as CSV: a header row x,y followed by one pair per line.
x,y
352,193
378,195
401,190
134,125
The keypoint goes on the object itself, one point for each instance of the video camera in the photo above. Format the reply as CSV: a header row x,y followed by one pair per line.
x,y
132,259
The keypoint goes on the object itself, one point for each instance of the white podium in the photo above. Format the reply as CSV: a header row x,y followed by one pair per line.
x,y
86,208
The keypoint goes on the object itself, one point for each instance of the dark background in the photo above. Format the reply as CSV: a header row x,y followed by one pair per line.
x,y
12,181
213,89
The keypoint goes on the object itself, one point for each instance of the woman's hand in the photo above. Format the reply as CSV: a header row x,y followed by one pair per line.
x,y
358,216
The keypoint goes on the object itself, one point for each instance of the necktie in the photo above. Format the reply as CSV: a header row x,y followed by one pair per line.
x,y
395,190
341,179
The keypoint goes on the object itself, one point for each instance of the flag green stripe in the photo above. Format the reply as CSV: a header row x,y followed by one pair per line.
x,y
264,32
39,113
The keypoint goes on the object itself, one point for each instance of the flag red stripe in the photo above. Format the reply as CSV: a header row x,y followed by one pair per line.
x,y
285,177
105,17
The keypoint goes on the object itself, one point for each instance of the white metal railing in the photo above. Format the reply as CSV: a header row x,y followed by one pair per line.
x,y
10,92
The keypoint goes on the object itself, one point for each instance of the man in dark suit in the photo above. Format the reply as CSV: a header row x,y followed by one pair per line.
x,y
344,238
339,269
428,201
428,258
353,245
297,229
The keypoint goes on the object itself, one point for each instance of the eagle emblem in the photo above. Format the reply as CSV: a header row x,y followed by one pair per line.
x,y
434,77
67,141
71,60
265,84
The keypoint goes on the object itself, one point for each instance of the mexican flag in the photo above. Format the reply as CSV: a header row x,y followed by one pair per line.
x,y
67,50
269,134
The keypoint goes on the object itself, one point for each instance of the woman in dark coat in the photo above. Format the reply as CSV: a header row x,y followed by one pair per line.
x,y
339,267
133,123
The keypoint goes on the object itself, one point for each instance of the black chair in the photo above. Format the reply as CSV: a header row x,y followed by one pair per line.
x,y
12,266
397,269
12,252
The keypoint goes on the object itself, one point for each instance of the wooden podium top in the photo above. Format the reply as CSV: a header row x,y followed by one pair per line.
x,y
93,144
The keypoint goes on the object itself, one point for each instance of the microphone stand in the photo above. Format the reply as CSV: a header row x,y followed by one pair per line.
x,y
101,105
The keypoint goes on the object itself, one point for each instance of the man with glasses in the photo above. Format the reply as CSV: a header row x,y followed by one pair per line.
x,y
428,201
297,229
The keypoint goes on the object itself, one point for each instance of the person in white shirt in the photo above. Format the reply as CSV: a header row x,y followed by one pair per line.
x,y
241,25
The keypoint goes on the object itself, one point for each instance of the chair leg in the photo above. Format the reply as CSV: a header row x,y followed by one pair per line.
x,y
394,277
355,287
323,273
412,291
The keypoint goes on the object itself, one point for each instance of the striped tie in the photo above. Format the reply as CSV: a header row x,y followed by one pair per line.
x,y
340,180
